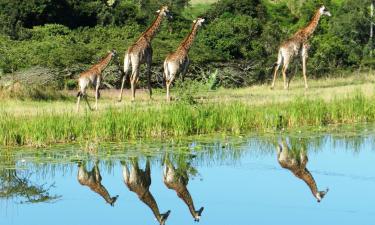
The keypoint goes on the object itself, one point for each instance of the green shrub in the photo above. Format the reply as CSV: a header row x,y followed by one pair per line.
x,y
239,36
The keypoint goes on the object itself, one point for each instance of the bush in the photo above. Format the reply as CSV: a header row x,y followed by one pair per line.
x,y
240,37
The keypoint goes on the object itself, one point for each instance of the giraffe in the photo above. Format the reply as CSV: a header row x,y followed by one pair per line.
x,y
297,165
139,181
178,61
291,47
93,75
93,180
141,53
177,179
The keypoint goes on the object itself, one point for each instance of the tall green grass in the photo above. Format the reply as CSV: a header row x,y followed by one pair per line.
x,y
180,119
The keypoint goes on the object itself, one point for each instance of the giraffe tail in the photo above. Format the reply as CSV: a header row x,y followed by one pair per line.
x,y
79,94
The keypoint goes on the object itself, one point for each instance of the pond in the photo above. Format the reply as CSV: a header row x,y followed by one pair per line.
x,y
255,179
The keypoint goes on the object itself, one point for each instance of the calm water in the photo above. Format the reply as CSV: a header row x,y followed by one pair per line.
x,y
236,180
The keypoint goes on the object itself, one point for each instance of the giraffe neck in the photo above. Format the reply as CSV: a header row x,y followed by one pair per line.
x,y
309,29
184,194
102,191
104,63
188,41
150,33
309,180
149,200
90,179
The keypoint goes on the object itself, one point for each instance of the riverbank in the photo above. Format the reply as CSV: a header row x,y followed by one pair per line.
x,y
332,101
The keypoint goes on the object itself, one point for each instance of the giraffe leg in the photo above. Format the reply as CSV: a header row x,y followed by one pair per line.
x,y
168,86
148,168
285,68
149,79
80,93
127,64
87,102
133,83
166,78
135,75
149,63
97,93
303,158
78,101
185,69
122,88
98,177
304,58
279,61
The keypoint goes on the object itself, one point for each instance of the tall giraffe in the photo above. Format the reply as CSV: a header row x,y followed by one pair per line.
x,y
292,46
178,61
177,180
141,53
297,166
94,76
93,180
139,181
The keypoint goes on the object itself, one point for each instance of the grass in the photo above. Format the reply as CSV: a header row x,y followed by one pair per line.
x,y
332,101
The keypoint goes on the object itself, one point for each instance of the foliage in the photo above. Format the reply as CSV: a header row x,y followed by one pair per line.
x,y
71,35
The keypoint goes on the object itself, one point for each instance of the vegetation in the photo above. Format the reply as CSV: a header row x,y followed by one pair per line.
x,y
240,38
45,44
49,123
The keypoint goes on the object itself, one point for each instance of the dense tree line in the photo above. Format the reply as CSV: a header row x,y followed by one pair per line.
x,y
240,38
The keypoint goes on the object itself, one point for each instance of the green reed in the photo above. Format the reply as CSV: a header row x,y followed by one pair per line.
x,y
180,119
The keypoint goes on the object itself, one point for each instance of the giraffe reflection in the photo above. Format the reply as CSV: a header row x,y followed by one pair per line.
x,y
296,161
178,179
139,181
93,180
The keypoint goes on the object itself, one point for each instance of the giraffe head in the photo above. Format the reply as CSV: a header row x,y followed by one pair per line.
x,y
164,11
199,21
320,195
113,200
163,217
198,214
323,11
113,52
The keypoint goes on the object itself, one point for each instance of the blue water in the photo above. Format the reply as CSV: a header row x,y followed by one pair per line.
x,y
239,184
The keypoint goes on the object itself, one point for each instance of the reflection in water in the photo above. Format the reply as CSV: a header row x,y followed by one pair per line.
x,y
15,184
139,181
178,179
93,180
23,175
295,161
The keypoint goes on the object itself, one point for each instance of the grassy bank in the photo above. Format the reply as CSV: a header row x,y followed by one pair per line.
x,y
227,111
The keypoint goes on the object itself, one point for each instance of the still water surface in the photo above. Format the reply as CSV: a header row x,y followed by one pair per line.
x,y
253,180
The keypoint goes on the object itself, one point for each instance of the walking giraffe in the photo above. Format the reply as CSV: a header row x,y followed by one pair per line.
x,y
178,179
141,53
178,61
292,46
94,76
139,181
297,165
93,180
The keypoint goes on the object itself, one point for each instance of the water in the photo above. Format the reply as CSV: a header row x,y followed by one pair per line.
x,y
236,180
